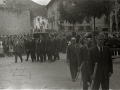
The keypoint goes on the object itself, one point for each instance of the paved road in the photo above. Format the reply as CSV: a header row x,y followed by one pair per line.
x,y
55,75
28,75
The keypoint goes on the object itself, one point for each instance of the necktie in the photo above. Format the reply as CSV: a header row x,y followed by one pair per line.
x,y
101,52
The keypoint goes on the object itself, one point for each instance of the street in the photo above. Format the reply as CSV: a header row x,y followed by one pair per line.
x,y
46,75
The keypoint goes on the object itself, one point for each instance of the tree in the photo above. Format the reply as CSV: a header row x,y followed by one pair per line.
x,y
83,9
94,9
68,13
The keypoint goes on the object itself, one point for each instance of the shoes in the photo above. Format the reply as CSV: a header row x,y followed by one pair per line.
x,y
21,60
26,60
73,80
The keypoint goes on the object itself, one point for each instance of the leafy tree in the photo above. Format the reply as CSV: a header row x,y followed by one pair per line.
x,y
83,9
68,13
94,9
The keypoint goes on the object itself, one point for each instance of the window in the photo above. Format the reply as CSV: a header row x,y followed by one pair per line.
x,y
70,28
38,19
81,28
88,27
41,27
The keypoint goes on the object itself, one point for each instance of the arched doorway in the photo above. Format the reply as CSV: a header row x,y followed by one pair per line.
x,y
119,26
113,27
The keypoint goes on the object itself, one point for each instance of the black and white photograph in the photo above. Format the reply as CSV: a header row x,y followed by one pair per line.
x,y
59,44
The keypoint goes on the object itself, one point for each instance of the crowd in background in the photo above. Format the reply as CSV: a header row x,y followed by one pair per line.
x,y
112,40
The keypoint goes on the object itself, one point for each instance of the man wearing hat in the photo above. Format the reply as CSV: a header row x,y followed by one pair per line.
x,y
101,55
72,55
83,59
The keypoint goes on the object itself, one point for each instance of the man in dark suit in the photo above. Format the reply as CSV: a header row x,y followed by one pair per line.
x,y
41,47
49,45
58,47
17,50
72,52
53,47
32,48
100,54
83,59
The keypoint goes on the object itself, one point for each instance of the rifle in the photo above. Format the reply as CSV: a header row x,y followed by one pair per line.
x,y
79,71
94,73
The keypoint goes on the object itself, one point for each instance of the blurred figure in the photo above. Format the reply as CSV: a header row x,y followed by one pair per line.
x,y
72,52
83,59
17,50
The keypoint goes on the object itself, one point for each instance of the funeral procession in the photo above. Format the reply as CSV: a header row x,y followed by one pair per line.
x,y
59,44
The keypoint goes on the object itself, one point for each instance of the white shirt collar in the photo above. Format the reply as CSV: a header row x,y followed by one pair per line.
x,y
99,47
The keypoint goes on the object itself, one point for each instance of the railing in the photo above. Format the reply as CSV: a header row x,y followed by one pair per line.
x,y
115,50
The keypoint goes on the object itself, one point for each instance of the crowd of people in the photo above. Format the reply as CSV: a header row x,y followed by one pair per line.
x,y
40,49
82,54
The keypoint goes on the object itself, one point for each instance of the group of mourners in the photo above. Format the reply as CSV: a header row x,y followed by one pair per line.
x,y
40,49
94,61
82,54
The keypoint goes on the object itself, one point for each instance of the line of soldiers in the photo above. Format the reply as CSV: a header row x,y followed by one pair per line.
x,y
86,56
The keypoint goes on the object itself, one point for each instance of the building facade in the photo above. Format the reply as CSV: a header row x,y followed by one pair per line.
x,y
13,20
54,22
115,17
40,23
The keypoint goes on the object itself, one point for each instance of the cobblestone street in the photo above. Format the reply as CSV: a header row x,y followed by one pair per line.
x,y
55,75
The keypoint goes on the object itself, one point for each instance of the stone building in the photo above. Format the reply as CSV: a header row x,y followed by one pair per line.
x,y
115,17
14,18
54,22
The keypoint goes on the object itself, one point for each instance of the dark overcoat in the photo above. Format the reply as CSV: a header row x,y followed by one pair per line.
x,y
105,65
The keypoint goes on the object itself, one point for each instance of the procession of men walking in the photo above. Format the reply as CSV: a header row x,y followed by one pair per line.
x,y
82,56
88,56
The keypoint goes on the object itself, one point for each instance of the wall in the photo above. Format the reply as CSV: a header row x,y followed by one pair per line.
x,y
14,22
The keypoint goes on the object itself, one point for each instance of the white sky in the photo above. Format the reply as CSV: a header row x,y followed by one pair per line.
x,y
42,2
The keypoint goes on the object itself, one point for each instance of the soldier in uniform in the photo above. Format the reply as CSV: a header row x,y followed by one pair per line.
x,y
100,54
83,55
72,52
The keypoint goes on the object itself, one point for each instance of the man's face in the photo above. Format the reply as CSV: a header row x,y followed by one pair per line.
x,y
88,41
73,41
100,41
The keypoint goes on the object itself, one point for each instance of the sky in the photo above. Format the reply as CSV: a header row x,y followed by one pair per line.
x,y
42,2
